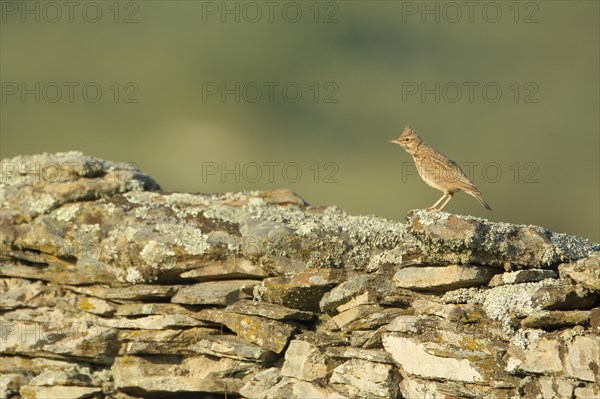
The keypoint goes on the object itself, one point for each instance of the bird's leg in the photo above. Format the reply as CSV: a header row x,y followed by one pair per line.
x,y
438,201
445,202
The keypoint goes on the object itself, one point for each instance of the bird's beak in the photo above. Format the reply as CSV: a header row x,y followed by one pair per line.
x,y
395,141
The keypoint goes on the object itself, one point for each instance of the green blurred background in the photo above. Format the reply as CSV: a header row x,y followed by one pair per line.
x,y
541,133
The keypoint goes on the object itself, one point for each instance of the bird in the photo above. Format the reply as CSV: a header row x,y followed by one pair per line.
x,y
437,170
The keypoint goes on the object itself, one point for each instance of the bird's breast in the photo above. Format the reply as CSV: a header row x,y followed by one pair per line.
x,y
431,173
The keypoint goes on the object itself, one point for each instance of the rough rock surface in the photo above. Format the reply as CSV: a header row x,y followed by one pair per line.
x,y
111,288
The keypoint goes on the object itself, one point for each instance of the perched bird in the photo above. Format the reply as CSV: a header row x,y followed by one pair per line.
x,y
436,170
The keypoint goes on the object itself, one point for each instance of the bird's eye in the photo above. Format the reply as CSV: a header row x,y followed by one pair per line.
x,y
406,139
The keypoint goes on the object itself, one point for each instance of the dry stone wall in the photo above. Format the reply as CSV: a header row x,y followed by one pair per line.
x,y
112,288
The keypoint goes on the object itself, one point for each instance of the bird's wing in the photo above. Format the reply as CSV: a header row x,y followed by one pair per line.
x,y
462,181
453,171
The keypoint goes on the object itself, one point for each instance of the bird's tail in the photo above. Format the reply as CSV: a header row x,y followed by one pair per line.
x,y
479,198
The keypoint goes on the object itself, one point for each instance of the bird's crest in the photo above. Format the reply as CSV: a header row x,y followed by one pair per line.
x,y
408,130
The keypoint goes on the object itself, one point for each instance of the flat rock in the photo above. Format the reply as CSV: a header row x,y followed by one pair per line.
x,y
196,340
366,298
64,339
417,388
549,388
589,392
441,278
37,366
266,333
304,361
348,352
540,357
412,357
171,374
363,317
403,323
562,296
363,338
233,268
154,322
53,270
142,292
359,378
585,271
454,313
233,347
75,176
343,293
449,238
201,366
522,276
556,318
582,359
37,377
256,387
506,302
214,293
162,342
303,290
291,388
96,306
59,392
10,383
269,310
16,292
449,343
145,309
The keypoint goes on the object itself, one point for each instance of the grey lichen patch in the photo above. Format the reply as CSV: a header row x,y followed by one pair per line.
x,y
41,203
123,244
231,242
141,212
235,197
371,230
225,213
357,229
501,301
88,228
461,295
147,198
191,239
257,208
133,234
184,205
329,237
409,251
66,213
185,199
107,208
429,218
158,255
532,245
134,276
568,248
505,302
86,241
